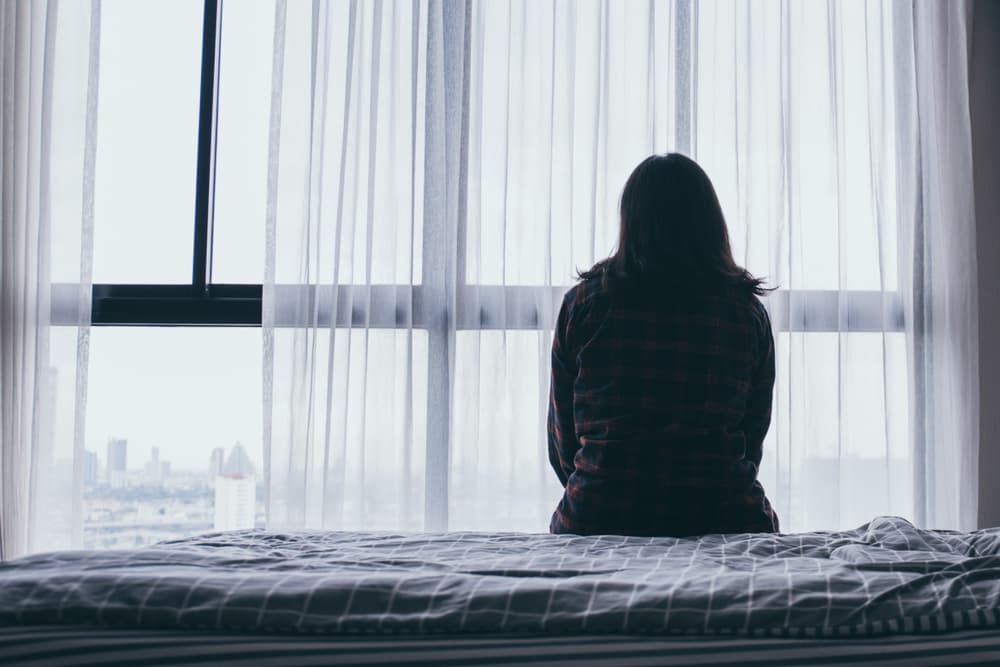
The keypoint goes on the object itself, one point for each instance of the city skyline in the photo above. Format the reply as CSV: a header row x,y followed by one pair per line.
x,y
200,390
97,466
149,501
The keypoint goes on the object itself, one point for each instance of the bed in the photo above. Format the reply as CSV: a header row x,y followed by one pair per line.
x,y
886,591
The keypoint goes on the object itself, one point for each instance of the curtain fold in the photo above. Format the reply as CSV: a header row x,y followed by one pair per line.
x,y
440,170
25,30
346,368
939,258
48,61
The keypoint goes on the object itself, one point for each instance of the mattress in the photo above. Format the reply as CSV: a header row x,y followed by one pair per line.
x,y
73,646
885,577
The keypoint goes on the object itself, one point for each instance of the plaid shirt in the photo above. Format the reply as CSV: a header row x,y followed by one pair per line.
x,y
658,410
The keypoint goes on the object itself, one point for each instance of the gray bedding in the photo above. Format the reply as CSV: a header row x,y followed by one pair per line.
x,y
884,577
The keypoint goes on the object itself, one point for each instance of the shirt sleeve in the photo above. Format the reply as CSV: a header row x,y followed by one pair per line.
x,y
563,443
758,410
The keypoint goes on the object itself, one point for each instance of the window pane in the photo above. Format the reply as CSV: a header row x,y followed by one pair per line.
x,y
66,145
173,443
545,163
808,159
348,449
349,167
838,451
566,99
54,523
499,471
147,140
241,165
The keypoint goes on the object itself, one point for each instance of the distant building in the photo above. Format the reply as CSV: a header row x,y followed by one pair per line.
x,y
117,461
235,491
152,467
90,468
235,502
216,462
238,462
157,470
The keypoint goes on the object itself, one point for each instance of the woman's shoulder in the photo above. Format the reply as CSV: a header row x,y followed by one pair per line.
x,y
585,291
747,302
758,309
581,301
756,314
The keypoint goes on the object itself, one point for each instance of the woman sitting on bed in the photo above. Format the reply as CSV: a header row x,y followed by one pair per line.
x,y
662,373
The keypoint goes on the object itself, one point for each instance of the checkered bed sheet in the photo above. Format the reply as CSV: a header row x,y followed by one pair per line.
x,y
884,577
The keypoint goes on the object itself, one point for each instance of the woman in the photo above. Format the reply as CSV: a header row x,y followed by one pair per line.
x,y
662,373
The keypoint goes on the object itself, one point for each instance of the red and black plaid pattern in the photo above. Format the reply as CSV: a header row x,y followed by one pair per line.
x,y
658,409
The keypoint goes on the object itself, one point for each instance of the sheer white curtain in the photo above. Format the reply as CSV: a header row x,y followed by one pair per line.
x,y
47,91
438,170
346,363
939,287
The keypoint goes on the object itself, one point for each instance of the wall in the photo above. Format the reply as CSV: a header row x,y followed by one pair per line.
x,y
984,90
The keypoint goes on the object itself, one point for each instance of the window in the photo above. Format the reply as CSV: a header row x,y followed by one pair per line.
x,y
179,252
169,422
170,428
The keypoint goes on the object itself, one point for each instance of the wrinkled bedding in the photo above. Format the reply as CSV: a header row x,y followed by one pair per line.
x,y
886,576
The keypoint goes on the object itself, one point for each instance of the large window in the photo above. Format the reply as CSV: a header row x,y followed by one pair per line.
x,y
174,387
168,386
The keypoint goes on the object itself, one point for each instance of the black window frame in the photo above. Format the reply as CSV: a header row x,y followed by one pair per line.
x,y
201,302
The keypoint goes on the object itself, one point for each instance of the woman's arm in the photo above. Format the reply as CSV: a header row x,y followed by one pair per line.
x,y
758,411
563,443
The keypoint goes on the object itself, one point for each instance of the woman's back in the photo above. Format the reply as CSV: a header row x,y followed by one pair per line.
x,y
660,404
662,372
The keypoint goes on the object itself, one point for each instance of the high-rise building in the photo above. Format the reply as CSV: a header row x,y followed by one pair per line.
x,y
238,462
216,462
89,468
117,461
235,491
156,470
235,502
152,468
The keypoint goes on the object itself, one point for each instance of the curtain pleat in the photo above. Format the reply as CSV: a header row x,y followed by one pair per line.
x,y
346,221
940,291
48,79
84,291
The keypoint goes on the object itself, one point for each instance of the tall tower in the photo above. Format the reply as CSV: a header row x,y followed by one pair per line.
x,y
155,473
238,462
235,492
235,502
216,462
117,461
90,468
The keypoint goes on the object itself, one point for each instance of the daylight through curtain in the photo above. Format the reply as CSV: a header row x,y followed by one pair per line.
x,y
438,170
48,57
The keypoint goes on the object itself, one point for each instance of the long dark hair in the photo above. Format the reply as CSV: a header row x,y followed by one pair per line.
x,y
673,232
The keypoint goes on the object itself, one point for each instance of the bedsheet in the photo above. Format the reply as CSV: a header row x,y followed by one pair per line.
x,y
884,577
